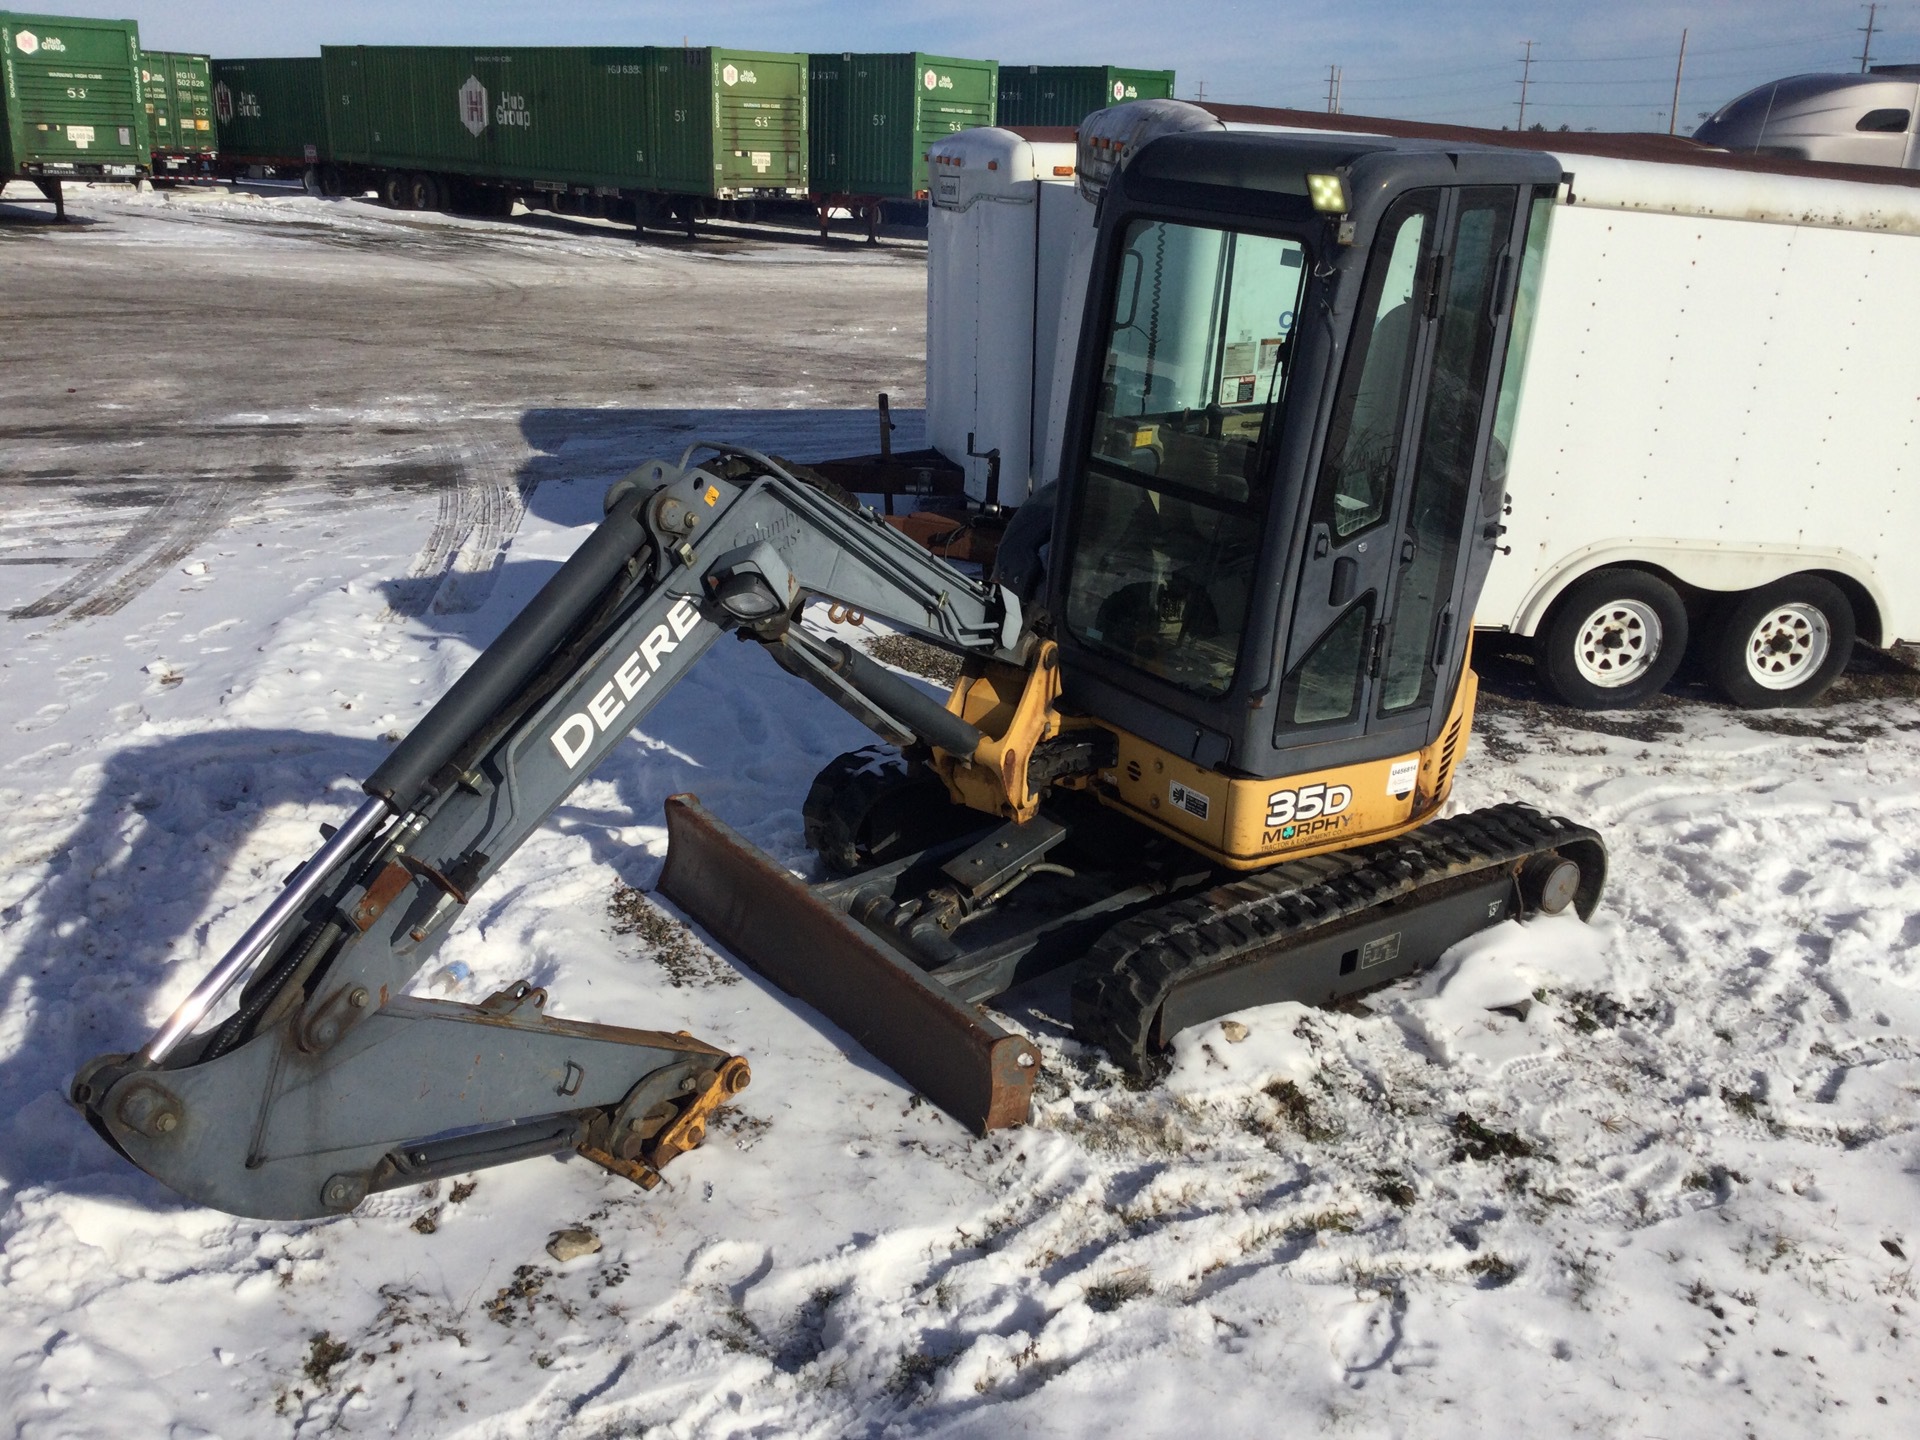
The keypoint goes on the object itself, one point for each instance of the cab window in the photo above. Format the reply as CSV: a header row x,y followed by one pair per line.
x,y
1185,427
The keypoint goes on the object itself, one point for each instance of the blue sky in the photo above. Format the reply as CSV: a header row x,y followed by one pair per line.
x,y
1607,67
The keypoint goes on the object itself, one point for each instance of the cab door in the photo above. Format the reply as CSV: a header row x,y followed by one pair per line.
x,y
1378,631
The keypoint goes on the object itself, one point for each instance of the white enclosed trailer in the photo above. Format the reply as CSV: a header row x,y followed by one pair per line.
x,y
1718,434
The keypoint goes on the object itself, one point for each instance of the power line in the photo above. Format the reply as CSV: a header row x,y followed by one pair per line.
x,y
1808,42
1550,82
1549,85
1673,110
1496,69
1701,50
1526,73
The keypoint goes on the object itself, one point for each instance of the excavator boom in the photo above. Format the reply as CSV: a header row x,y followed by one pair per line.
x,y
326,1082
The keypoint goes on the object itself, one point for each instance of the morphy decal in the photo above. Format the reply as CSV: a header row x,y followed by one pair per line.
x,y
574,736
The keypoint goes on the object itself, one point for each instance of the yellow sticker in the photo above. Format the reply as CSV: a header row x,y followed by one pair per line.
x,y
712,496
1143,439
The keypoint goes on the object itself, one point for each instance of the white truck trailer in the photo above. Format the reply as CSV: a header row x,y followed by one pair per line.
x,y
1717,434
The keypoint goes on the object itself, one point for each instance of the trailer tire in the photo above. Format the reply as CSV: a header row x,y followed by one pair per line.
x,y
423,192
1614,638
1781,645
393,190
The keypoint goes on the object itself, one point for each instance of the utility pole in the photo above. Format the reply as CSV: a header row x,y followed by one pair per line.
x,y
1333,89
1200,96
1526,75
1866,51
1673,115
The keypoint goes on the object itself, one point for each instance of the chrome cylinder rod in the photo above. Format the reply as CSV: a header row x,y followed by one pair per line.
x,y
260,934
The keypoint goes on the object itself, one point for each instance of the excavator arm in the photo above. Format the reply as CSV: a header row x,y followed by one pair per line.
x,y
325,1082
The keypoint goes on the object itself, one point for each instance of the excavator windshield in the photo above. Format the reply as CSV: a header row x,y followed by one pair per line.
x,y
1185,424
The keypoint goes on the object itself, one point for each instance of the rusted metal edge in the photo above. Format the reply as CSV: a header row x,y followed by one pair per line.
x,y
968,1066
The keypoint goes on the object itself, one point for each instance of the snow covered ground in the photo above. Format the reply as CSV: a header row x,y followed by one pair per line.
x,y
1659,1175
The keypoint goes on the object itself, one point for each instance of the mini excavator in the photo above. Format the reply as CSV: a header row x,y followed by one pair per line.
x,y
1211,701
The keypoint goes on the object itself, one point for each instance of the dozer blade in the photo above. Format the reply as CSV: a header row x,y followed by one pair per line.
x,y
945,1049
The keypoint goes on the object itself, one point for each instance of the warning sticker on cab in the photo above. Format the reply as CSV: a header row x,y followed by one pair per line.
x,y
1192,801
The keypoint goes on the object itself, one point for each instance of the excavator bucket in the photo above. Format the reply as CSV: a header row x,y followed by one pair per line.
x,y
944,1048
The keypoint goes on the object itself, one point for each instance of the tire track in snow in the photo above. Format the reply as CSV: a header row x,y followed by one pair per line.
x,y
481,508
160,539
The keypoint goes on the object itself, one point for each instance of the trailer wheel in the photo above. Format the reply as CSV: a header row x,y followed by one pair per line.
x,y
423,192
1782,644
1615,638
393,190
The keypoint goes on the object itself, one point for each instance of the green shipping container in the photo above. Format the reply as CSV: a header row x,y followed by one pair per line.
x,y
270,112
699,122
1067,94
71,98
729,122
876,116
179,105
536,114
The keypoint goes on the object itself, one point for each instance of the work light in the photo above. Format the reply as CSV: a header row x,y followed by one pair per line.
x,y
1328,193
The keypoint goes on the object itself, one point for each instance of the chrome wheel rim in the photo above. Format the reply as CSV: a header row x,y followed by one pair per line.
x,y
1617,644
1790,643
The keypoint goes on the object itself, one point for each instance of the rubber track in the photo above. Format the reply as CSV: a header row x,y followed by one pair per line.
x,y
1135,966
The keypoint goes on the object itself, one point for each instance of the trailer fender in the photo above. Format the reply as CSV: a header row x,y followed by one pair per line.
x,y
1708,565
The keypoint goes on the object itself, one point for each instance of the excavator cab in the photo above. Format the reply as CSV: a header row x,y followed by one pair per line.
x,y
1194,757
1278,499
